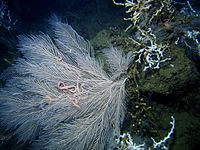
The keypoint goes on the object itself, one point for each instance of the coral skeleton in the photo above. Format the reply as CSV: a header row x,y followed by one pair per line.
x,y
126,142
152,54
5,17
58,96
136,10
161,143
141,15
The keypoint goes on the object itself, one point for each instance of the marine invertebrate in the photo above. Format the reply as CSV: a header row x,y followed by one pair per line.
x,y
60,94
142,15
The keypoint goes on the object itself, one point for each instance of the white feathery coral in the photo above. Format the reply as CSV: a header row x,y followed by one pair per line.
x,y
58,95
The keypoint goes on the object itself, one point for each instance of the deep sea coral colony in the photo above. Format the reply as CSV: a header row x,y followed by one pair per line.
x,y
58,96
142,15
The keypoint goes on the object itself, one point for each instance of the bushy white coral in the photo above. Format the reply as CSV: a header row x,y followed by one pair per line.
x,y
60,94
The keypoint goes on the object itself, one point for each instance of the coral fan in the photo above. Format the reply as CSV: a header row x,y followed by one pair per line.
x,y
58,95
